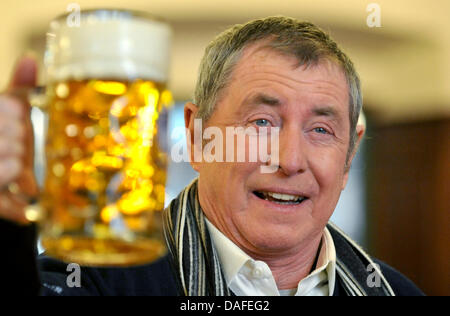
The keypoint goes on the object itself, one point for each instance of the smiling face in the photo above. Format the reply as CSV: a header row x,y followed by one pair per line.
x,y
270,213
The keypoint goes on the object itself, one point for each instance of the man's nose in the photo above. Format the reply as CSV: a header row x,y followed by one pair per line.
x,y
292,151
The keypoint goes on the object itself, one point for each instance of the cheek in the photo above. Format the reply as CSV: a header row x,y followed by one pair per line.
x,y
329,175
224,194
226,180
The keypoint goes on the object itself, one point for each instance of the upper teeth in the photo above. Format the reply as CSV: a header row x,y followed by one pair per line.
x,y
284,197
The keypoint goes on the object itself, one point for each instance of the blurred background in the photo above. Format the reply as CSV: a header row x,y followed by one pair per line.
x,y
397,202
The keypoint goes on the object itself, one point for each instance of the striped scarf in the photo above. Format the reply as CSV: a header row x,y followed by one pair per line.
x,y
198,268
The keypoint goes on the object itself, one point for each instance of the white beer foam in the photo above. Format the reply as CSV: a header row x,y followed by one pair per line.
x,y
110,48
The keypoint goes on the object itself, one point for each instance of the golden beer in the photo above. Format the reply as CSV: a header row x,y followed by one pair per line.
x,y
106,170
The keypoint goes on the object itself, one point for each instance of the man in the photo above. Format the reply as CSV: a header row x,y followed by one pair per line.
x,y
236,230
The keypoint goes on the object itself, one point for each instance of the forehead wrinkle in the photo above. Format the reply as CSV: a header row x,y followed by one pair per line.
x,y
321,90
259,74
329,88
256,57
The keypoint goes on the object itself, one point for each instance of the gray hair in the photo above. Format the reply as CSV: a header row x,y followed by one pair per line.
x,y
303,40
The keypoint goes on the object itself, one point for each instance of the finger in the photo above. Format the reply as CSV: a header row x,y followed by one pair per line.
x,y
23,147
25,73
11,107
10,169
26,180
27,183
12,129
11,148
12,208
24,76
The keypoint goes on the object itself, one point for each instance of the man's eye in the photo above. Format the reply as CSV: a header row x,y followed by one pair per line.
x,y
262,123
321,130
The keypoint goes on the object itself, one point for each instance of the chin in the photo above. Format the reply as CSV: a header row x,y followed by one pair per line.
x,y
274,238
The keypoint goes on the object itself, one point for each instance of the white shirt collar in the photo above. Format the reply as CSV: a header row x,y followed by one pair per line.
x,y
246,276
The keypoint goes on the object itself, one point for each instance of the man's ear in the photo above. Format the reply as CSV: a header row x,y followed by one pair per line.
x,y
360,130
190,113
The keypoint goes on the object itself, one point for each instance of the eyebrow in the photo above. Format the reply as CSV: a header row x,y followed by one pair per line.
x,y
325,111
328,112
262,98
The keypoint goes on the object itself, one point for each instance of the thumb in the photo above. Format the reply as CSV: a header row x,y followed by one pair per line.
x,y
25,73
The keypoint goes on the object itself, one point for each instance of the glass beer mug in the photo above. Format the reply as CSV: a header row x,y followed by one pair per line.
x,y
105,161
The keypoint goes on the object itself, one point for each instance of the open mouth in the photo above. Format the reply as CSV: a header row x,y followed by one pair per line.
x,y
279,198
